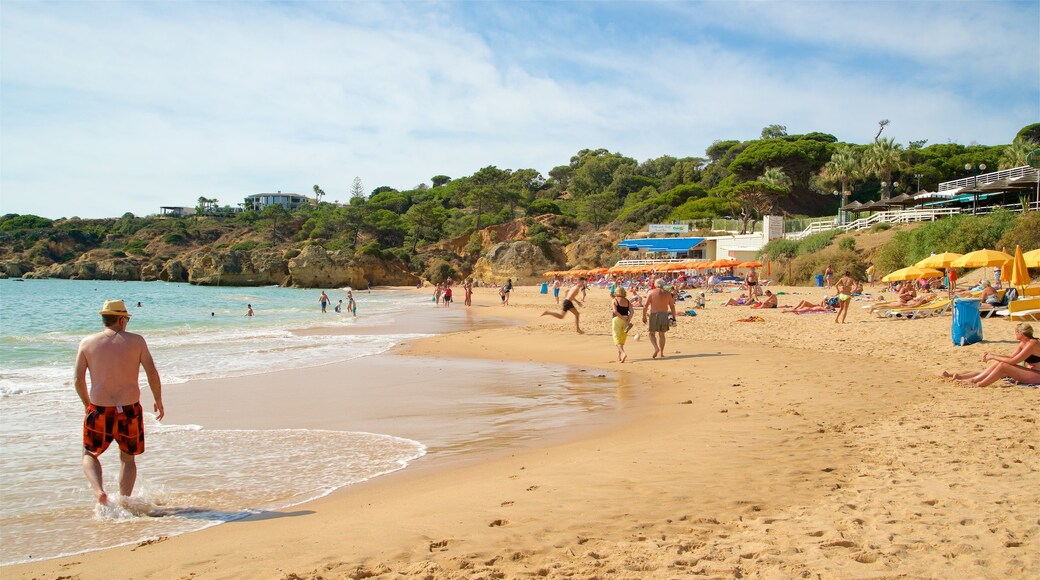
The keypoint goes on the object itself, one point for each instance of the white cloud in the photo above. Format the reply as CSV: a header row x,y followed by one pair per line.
x,y
110,107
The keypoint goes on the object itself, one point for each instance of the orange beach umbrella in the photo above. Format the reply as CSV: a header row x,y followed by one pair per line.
x,y
1019,270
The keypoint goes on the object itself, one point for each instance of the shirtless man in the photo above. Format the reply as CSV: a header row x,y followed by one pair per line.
x,y
661,305
113,409
568,304
324,300
843,287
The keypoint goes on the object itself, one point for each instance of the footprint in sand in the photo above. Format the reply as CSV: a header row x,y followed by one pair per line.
x,y
506,504
440,546
498,523
532,488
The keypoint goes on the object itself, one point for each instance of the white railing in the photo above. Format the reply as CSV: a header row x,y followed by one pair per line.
x,y
654,262
989,178
888,217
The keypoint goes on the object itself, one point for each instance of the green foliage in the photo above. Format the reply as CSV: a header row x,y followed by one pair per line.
x,y
784,249
780,249
804,268
880,227
290,254
174,239
136,247
847,244
1030,132
960,234
245,246
543,206
815,242
371,249
1024,232
705,207
24,222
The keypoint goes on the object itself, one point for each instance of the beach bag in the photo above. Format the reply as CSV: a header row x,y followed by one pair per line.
x,y
967,322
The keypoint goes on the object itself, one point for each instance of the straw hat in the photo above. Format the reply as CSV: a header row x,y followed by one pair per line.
x,y
114,308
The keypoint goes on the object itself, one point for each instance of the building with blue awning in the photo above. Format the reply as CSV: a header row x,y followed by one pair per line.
x,y
678,247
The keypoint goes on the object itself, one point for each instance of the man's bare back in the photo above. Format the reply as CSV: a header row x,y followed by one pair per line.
x,y
113,359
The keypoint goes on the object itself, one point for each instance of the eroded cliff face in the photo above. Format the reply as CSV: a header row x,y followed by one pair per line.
x,y
595,250
313,267
517,260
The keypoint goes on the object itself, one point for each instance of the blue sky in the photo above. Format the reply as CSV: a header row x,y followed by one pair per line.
x,y
111,107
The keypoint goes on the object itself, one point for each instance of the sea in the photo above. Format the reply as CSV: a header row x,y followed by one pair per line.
x,y
193,477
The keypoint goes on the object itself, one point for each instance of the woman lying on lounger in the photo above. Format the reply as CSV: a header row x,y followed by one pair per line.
x,y
1007,367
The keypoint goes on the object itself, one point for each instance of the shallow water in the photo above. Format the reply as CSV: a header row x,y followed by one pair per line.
x,y
193,477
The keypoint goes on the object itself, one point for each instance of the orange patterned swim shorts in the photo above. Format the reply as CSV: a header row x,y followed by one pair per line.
x,y
124,423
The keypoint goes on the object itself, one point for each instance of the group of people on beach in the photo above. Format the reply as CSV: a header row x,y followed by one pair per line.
x,y
658,314
324,301
443,294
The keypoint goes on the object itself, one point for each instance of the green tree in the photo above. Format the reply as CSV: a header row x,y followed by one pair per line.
x,y
597,208
884,158
1014,155
276,219
843,169
425,220
357,189
754,199
439,180
774,131
318,193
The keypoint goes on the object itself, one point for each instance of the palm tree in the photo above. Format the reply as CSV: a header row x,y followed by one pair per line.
x,y
1014,155
776,177
844,168
883,158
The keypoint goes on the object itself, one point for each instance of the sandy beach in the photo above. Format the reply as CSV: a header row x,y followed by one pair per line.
x,y
792,447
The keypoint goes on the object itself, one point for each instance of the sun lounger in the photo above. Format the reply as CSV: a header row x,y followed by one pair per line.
x,y
1025,309
936,307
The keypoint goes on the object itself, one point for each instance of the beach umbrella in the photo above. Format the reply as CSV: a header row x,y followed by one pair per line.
x,y
751,264
1032,258
981,258
912,273
942,260
1019,271
724,263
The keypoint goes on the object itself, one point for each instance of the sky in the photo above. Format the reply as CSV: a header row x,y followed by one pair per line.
x,y
110,107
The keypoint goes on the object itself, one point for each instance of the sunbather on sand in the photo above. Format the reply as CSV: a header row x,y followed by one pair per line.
x,y
742,301
821,306
769,302
1027,353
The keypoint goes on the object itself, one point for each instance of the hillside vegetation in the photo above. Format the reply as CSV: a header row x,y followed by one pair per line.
x,y
570,216
901,246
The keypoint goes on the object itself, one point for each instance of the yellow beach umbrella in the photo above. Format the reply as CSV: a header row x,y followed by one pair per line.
x,y
912,273
942,260
1019,271
1032,258
981,258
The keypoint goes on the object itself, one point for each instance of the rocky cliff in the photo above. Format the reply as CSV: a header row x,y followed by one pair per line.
x,y
312,267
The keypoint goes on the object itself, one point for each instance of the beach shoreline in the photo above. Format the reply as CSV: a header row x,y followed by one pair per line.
x,y
745,450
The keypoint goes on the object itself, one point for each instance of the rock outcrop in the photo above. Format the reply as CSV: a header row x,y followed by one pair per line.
x,y
517,260
596,250
14,269
313,267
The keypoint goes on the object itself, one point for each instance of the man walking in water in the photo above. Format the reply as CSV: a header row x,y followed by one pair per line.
x,y
324,301
661,304
568,304
113,409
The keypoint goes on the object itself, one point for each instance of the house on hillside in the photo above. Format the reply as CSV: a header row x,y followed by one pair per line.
x,y
170,211
290,201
